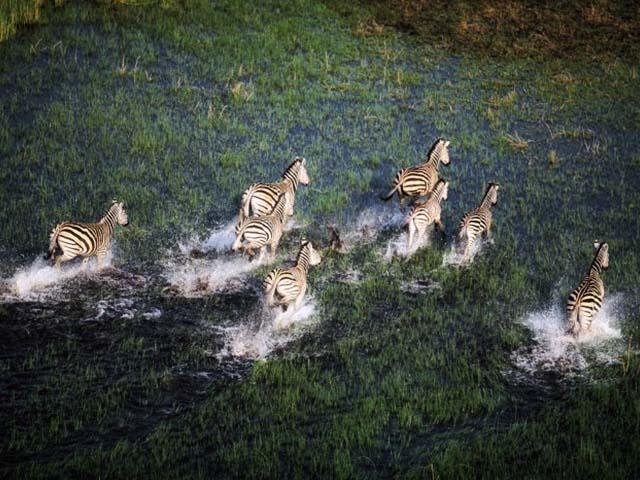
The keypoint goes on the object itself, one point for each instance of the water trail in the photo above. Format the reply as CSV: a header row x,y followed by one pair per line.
x,y
555,351
265,332
199,277
36,281
219,239
399,244
454,256
372,220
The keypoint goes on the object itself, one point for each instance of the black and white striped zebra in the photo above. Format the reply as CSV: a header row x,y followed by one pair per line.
x,y
257,232
425,213
285,286
260,198
586,300
86,239
478,222
419,180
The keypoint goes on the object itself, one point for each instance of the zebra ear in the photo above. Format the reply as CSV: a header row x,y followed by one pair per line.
x,y
597,244
446,143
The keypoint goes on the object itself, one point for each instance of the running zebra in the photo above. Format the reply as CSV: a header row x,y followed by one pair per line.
x,y
478,221
260,198
258,232
86,239
420,180
284,286
586,300
425,213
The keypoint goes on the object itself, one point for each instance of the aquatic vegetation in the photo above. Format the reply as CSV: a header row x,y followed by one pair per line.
x,y
407,366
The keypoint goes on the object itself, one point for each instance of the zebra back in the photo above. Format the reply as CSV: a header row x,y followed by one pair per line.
x,y
586,300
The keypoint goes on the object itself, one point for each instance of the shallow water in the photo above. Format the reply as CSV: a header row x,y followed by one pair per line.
x,y
557,352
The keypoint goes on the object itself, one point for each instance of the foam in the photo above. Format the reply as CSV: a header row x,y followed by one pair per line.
x,y
265,331
557,351
35,281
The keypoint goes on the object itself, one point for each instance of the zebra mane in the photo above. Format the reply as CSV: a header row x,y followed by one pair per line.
x,y
486,192
434,146
293,168
303,246
109,215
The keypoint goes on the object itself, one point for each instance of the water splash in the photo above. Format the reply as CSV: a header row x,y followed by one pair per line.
x,y
36,281
219,239
202,277
398,246
266,332
454,256
555,351
371,221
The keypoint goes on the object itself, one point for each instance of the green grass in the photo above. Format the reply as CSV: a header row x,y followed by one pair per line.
x,y
176,111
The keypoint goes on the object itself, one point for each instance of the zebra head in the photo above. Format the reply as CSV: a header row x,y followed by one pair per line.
x,y
492,193
602,253
303,176
439,152
121,214
314,255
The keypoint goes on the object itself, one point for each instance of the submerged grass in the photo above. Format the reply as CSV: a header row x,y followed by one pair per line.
x,y
176,110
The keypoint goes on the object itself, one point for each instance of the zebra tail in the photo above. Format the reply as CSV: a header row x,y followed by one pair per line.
x,y
388,196
270,290
462,234
241,219
246,202
574,322
53,242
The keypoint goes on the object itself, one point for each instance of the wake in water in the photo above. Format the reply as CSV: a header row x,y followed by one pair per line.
x,y
191,273
265,332
371,222
555,351
454,256
38,280
398,246
201,276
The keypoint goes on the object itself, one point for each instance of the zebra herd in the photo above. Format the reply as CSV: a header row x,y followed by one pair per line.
x,y
266,207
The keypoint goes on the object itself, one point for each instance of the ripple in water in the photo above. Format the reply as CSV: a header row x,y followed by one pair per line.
x,y
557,352
266,332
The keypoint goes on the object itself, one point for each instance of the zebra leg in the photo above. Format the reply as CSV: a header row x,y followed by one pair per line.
x,y
440,226
85,260
487,232
300,297
261,256
411,234
62,258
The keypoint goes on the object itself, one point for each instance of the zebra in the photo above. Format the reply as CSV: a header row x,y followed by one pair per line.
x,y
258,232
260,198
586,300
86,239
285,286
478,221
420,180
427,212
